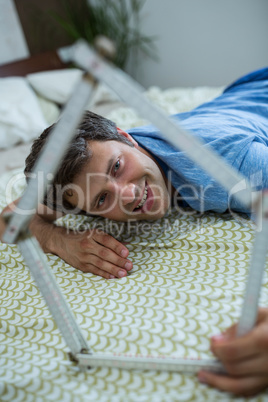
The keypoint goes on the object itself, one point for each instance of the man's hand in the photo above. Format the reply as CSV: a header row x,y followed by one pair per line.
x,y
93,251
245,359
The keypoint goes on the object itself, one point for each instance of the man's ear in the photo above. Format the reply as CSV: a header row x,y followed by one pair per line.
x,y
69,192
128,136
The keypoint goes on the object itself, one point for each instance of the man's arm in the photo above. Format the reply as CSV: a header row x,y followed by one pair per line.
x,y
91,251
2,226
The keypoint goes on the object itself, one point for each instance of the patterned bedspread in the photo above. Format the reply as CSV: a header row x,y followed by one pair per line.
x,y
187,284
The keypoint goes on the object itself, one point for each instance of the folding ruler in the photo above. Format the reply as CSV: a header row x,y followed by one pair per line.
x,y
96,68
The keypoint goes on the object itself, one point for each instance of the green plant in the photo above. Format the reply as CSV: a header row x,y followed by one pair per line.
x,y
119,20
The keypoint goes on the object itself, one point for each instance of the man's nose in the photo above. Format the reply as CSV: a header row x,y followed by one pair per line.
x,y
127,194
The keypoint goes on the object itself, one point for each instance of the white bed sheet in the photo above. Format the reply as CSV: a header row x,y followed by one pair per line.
x,y
34,103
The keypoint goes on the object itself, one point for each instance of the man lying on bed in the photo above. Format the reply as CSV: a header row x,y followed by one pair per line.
x,y
137,175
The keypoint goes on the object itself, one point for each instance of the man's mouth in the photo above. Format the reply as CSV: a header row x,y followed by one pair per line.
x,y
146,202
143,200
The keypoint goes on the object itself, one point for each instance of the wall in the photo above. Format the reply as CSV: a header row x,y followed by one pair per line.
x,y
204,42
41,30
12,41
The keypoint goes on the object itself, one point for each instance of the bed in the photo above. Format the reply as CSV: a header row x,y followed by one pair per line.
x,y
187,282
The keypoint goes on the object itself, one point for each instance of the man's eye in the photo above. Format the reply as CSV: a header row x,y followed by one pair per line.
x,y
117,166
101,200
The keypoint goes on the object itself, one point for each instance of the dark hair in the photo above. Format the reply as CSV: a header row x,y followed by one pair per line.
x,y
92,127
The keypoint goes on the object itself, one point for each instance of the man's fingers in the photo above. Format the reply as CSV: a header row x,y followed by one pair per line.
x,y
96,271
262,315
104,266
234,349
101,251
231,331
257,365
244,358
109,256
245,386
111,251
108,241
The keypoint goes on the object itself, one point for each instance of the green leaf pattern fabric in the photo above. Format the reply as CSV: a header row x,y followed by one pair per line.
x,y
187,284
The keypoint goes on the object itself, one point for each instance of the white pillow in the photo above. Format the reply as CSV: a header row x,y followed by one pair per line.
x,y
50,110
21,118
56,85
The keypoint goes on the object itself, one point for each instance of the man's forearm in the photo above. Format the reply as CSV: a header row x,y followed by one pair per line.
x,y
91,251
47,233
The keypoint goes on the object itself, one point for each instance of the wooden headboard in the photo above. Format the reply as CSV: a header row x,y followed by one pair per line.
x,y
40,62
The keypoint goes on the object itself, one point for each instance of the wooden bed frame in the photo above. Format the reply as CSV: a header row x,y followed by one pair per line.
x,y
40,62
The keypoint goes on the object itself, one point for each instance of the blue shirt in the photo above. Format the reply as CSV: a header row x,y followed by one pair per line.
x,y
234,125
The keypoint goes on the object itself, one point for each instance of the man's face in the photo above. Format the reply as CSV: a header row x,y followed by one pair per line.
x,y
120,182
